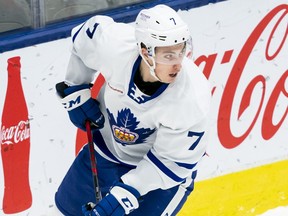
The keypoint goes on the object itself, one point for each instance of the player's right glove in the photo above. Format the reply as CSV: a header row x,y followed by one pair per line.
x,y
121,200
80,105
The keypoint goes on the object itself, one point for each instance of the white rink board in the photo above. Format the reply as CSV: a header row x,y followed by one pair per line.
x,y
216,29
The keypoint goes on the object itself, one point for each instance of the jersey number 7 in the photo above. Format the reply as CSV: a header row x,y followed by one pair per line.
x,y
198,136
91,33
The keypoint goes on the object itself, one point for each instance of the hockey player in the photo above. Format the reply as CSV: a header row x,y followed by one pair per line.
x,y
155,102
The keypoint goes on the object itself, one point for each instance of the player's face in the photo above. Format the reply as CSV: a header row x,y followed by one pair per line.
x,y
169,62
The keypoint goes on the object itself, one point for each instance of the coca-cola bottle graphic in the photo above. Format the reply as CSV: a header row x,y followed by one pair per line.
x,y
15,143
81,137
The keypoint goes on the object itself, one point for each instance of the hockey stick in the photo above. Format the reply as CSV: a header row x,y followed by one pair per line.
x,y
93,163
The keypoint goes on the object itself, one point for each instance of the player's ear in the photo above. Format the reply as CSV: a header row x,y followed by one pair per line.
x,y
146,56
144,52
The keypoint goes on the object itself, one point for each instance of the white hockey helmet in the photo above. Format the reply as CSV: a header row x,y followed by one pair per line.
x,y
160,26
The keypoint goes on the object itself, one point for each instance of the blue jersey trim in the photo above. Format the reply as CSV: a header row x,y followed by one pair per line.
x,y
186,165
164,168
75,35
100,143
188,191
132,86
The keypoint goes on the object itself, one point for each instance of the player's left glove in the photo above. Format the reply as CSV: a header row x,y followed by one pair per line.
x,y
122,199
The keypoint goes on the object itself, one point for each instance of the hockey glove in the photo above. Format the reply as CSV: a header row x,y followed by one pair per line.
x,y
122,199
80,105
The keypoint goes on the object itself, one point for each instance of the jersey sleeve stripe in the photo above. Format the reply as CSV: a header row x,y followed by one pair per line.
x,y
76,33
164,168
186,165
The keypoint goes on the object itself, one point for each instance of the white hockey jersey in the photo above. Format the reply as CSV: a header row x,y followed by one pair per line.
x,y
161,135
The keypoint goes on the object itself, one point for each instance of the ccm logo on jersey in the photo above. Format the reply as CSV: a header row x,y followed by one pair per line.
x,y
76,99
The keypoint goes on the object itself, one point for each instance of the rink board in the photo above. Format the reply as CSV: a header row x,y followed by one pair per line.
x,y
241,46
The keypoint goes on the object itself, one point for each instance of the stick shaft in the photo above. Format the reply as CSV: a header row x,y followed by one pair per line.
x,y
98,196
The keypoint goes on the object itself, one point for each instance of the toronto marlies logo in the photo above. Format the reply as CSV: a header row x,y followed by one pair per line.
x,y
125,129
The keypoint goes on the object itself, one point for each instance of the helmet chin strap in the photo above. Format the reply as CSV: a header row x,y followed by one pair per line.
x,y
151,68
